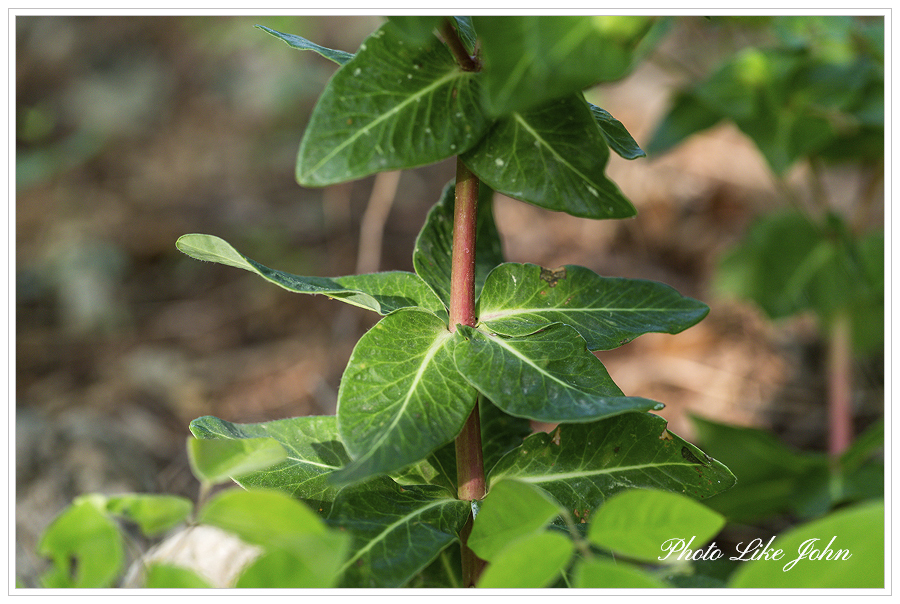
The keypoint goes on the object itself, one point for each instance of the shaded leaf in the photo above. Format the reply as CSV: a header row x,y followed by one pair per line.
x,y
639,523
520,299
554,157
394,105
533,561
432,256
338,56
396,531
381,292
548,376
416,28
617,136
529,60
686,116
401,396
581,465
218,461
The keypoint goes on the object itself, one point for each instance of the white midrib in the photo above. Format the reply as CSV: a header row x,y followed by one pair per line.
x,y
584,474
387,530
558,157
385,116
426,361
530,363
500,314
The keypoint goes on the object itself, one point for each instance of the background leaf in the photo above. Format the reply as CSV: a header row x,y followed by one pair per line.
x,y
553,156
401,396
548,376
616,135
394,105
636,523
432,255
416,28
381,292
338,56
581,465
520,299
529,60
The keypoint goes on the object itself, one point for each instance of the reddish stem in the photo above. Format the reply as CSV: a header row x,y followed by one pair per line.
x,y
469,456
840,411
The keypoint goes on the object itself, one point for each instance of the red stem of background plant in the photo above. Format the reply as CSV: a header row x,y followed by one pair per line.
x,y
469,456
840,410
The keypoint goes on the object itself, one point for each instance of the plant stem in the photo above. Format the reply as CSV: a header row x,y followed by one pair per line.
x,y
469,455
465,61
840,412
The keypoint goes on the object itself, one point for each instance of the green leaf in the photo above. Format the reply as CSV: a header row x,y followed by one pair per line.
x,y
416,28
396,531
381,292
154,514
616,135
394,105
554,157
84,545
639,523
510,511
787,264
500,432
400,396
520,299
548,376
432,256
533,561
855,538
314,452
301,550
338,56
466,32
687,116
581,465
166,576
597,573
218,461
529,60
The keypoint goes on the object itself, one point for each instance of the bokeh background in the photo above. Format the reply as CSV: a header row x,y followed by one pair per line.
x,y
131,131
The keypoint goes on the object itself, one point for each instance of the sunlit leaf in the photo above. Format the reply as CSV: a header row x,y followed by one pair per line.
x,y
639,523
848,543
154,514
510,511
217,461
597,573
533,561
